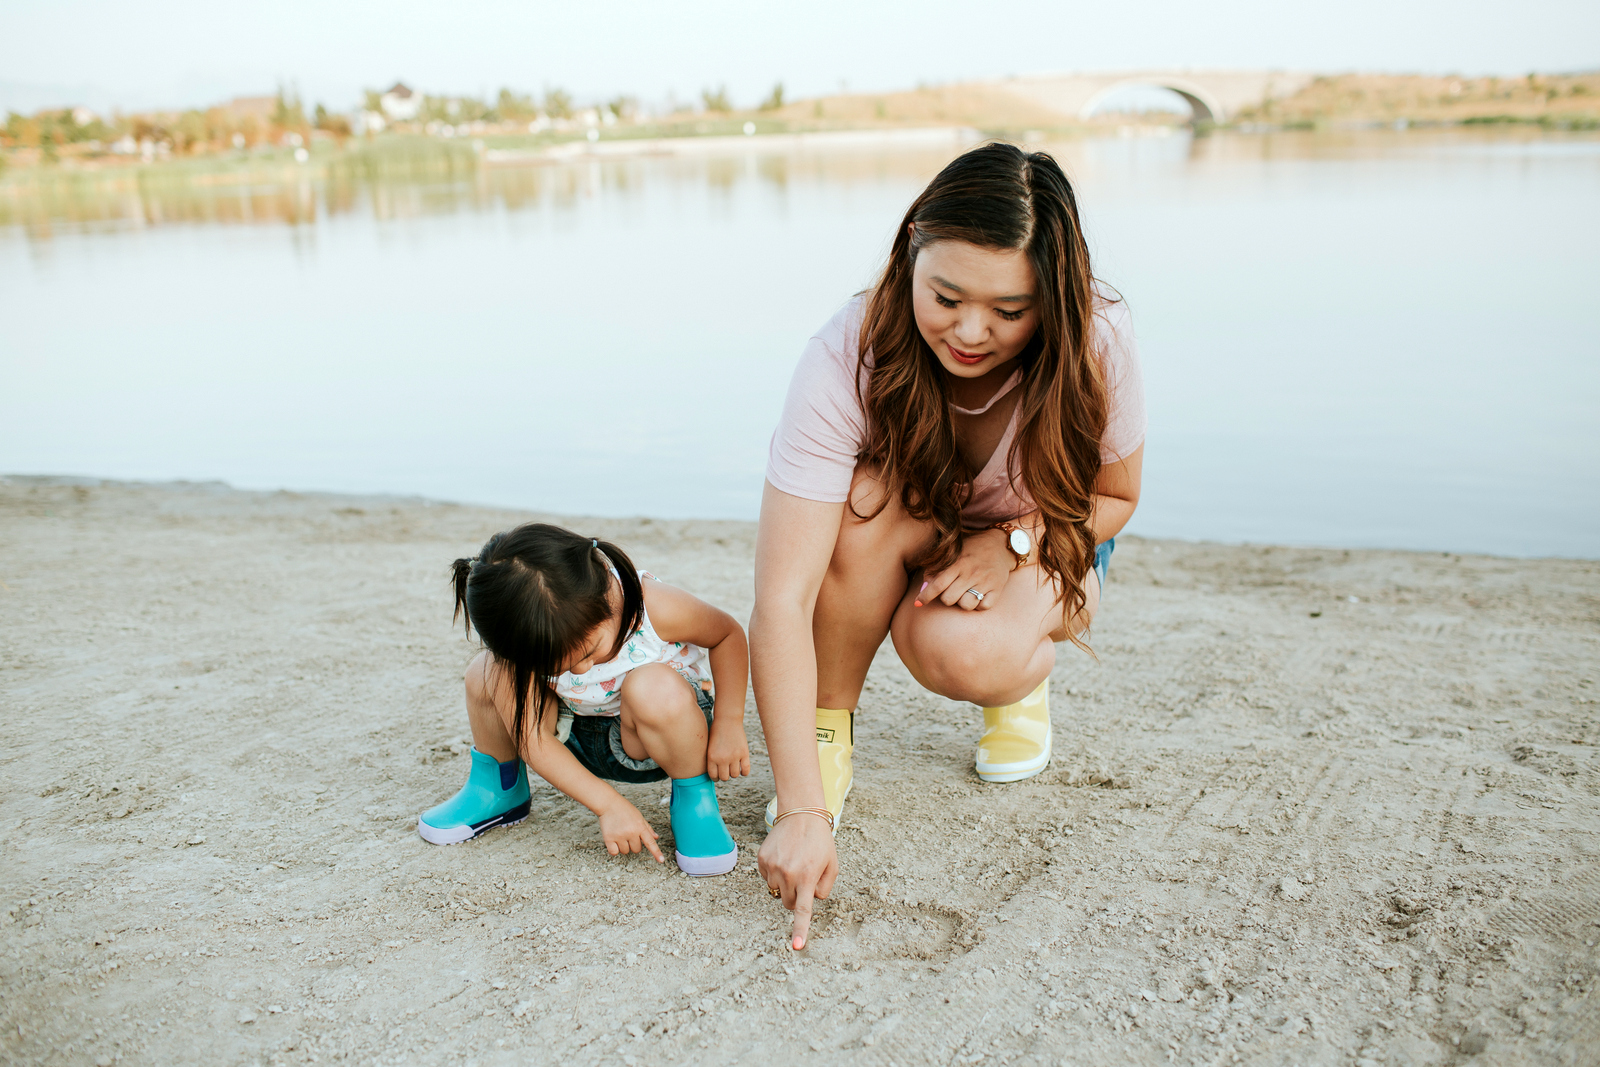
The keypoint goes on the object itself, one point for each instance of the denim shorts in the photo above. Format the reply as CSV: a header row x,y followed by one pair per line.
x,y
597,742
1102,559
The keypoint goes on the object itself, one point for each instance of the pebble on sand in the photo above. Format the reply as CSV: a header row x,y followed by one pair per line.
x,y
1292,889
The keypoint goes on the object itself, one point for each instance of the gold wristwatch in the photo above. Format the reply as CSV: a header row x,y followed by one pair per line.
x,y
1017,540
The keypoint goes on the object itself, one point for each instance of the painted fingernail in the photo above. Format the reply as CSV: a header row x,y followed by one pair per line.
x,y
916,603
924,586
799,943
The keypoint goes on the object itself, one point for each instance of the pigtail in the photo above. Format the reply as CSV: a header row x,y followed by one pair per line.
x,y
632,616
462,571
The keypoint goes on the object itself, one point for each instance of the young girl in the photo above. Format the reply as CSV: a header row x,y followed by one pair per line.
x,y
600,672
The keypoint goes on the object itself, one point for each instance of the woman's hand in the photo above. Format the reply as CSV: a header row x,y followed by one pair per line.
x,y
985,564
625,830
799,861
728,754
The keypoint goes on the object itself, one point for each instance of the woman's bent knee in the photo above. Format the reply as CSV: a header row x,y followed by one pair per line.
x,y
966,667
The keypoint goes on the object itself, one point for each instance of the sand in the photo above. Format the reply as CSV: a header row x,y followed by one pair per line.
x,y
1307,807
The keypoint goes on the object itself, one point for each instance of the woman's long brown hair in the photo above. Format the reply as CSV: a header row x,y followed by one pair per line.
x,y
995,196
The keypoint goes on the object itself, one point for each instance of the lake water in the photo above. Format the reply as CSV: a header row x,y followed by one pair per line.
x,y
1378,339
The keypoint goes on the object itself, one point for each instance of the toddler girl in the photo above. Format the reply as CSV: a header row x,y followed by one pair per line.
x,y
598,671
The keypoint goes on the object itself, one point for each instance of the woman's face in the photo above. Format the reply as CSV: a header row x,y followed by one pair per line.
x,y
976,307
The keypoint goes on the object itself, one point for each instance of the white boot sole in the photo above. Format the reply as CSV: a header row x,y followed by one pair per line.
x,y
1015,772
454,835
702,866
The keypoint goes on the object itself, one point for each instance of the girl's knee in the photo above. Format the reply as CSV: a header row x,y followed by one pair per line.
x,y
477,678
656,693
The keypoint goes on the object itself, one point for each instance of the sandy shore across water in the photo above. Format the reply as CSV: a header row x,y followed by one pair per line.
x,y
1308,807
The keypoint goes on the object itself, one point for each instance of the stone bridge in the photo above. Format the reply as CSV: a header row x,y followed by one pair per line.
x,y
1213,95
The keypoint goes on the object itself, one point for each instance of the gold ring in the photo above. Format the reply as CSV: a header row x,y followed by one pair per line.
x,y
774,892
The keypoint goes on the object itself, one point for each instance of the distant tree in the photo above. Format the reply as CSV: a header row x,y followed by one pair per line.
x,y
513,107
287,114
371,100
624,107
23,130
774,99
337,125
558,103
189,132
716,99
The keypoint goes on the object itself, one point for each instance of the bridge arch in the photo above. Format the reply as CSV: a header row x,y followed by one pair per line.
x,y
1205,107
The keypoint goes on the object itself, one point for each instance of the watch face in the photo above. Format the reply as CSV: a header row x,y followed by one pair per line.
x,y
1021,543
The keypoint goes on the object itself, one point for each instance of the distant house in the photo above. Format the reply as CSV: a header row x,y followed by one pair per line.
x,y
260,107
400,104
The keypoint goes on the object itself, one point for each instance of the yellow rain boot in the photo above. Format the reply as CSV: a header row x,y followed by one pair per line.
x,y
1016,738
835,746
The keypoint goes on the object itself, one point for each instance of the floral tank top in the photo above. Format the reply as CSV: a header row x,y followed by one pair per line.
x,y
598,691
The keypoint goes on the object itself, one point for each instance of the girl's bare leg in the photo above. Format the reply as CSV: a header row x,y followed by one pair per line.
x,y
662,721
486,692
865,583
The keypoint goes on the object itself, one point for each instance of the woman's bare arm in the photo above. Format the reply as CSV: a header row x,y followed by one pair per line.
x,y
986,560
793,547
1116,495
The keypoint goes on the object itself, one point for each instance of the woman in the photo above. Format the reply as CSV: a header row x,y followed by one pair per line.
x,y
958,448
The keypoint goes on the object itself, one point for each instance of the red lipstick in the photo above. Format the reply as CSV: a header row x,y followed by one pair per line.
x,y
969,359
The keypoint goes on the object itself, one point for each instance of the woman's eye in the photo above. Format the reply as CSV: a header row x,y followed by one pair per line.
x,y
1010,316
944,301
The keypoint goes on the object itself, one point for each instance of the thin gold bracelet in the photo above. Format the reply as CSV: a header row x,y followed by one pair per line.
x,y
819,812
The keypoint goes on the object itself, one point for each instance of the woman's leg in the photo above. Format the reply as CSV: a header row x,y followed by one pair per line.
x,y
661,720
992,657
865,584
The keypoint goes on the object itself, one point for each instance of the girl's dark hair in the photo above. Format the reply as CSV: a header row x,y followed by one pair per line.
x,y
534,593
996,196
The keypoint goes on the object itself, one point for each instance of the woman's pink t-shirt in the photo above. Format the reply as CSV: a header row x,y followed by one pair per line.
x,y
813,451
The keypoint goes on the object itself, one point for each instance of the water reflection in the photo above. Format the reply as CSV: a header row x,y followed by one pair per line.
x,y
1363,338
428,178
416,178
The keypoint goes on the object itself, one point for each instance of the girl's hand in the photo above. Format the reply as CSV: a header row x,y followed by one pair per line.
x,y
799,860
625,830
985,564
728,754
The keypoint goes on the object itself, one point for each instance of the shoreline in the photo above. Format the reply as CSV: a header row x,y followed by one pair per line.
x,y
503,148
1369,832
218,486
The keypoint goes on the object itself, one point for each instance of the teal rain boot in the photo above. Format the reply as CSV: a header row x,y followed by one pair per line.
x,y
496,794
702,841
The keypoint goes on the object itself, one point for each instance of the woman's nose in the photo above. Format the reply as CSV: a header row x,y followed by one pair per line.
x,y
970,330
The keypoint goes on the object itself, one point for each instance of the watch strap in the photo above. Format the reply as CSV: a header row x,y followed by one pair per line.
x,y
1008,528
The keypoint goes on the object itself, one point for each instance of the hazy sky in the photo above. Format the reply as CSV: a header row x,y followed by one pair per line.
x,y
185,52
